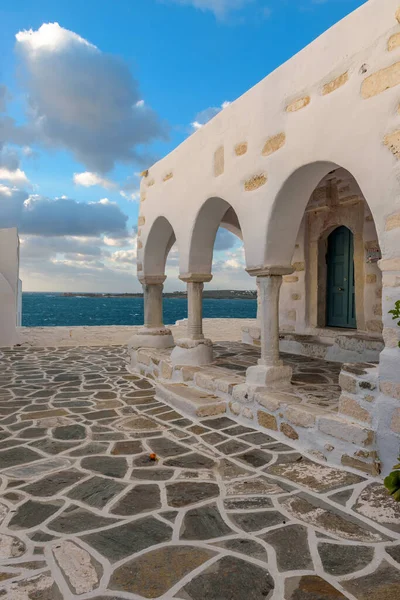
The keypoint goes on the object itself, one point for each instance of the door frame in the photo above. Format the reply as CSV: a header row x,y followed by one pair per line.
x,y
318,228
348,275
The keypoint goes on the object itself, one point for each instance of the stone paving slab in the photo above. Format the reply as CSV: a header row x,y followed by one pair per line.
x,y
108,493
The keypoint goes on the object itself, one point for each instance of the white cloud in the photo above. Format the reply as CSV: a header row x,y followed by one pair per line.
x,y
131,196
80,99
5,190
88,179
38,215
206,115
17,177
219,7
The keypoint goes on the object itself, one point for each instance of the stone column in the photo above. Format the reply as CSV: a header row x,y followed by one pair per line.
x,y
152,296
258,303
270,368
154,334
195,349
195,310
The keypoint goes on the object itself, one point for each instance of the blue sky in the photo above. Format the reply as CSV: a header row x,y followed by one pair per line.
x,y
87,104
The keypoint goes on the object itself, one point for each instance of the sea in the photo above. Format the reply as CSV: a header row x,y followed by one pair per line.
x,y
57,310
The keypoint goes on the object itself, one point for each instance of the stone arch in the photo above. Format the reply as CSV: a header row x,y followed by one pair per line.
x,y
214,213
297,216
159,242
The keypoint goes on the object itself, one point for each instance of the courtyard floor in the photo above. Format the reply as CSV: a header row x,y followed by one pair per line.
x,y
107,493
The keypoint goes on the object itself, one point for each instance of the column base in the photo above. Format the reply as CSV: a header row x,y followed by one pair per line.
x,y
151,338
194,353
265,375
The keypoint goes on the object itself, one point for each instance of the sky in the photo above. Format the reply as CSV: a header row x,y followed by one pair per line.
x,y
93,92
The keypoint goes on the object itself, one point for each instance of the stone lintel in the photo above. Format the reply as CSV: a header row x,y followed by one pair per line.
x,y
268,270
152,279
196,277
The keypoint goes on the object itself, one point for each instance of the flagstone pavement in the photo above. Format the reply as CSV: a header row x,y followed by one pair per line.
x,y
107,493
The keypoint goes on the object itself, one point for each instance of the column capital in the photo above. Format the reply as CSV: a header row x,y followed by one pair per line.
x,y
152,279
196,277
269,270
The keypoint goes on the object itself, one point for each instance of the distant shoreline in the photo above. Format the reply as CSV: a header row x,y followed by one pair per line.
x,y
208,294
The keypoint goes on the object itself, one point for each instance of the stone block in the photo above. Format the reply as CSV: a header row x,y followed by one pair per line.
x,y
288,430
391,337
290,279
371,468
377,310
269,401
393,42
219,161
299,266
266,420
350,406
166,370
395,422
304,416
235,408
335,83
392,141
348,383
241,149
393,221
381,81
226,385
141,221
370,278
273,144
144,358
244,393
390,389
345,430
374,326
248,413
255,182
298,104
188,373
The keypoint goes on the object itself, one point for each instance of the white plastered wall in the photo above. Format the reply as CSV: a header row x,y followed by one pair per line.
x,y
9,285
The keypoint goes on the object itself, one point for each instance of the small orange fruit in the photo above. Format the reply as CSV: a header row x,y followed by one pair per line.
x,y
153,456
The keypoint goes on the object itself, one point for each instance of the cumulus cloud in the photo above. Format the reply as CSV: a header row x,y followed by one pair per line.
x,y
16,176
80,99
34,214
206,115
88,179
219,7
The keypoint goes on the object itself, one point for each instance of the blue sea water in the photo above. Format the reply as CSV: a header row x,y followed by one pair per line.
x,y
55,310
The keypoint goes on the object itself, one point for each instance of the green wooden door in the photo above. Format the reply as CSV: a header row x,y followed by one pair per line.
x,y
341,306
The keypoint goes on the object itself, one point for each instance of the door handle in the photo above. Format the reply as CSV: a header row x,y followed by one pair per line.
x,y
341,289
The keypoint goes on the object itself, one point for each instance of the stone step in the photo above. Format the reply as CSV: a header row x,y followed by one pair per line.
x,y
190,400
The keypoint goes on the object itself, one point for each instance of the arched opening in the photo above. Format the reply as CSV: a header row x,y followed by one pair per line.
x,y
330,295
159,242
214,213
